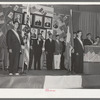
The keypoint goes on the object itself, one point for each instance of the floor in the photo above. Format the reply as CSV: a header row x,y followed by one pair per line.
x,y
39,72
59,79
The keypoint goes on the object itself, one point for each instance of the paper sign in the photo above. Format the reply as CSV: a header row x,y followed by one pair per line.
x,y
10,15
16,8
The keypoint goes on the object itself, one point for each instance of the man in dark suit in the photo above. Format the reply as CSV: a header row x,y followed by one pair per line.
x,y
31,53
62,66
14,42
32,38
50,49
73,55
37,47
88,40
78,49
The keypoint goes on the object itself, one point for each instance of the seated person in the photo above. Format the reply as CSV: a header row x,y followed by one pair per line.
x,y
97,41
88,40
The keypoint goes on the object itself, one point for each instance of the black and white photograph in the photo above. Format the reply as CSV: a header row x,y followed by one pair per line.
x,y
34,33
38,20
35,55
18,17
47,22
43,32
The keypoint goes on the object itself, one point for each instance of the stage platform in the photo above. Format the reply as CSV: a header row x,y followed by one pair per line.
x,y
44,79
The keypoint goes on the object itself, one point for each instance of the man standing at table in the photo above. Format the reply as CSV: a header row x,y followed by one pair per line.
x,y
50,49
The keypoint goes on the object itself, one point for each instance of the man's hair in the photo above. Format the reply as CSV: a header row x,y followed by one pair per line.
x,y
16,22
74,32
88,34
79,31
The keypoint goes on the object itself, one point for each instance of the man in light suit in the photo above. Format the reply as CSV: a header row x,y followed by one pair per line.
x,y
57,54
50,49
14,41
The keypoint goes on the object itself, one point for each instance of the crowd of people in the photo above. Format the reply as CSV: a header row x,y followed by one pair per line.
x,y
54,50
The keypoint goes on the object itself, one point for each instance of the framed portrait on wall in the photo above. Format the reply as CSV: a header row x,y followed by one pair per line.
x,y
27,18
43,32
47,22
18,17
37,21
34,33
49,31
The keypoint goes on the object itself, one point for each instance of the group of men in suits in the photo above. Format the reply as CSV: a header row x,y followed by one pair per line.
x,y
53,49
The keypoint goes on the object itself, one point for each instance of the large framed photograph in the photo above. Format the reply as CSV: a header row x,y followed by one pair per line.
x,y
37,21
27,18
18,17
34,33
43,32
47,22
49,31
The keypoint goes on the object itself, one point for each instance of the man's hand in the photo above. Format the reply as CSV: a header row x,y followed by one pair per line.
x,y
10,50
77,54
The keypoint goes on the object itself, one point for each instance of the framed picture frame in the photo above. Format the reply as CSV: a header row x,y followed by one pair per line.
x,y
43,32
18,17
26,18
49,31
34,33
37,21
47,22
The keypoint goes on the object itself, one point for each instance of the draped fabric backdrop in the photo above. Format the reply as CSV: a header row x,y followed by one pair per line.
x,y
88,22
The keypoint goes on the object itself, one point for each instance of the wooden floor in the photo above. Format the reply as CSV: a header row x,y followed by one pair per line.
x,y
49,78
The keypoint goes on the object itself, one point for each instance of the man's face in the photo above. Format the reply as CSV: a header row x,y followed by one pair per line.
x,y
57,37
80,34
50,36
98,39
89,36
74,35
16,25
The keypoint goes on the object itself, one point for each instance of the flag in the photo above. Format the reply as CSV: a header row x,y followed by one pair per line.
x,y
27,45
69,43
